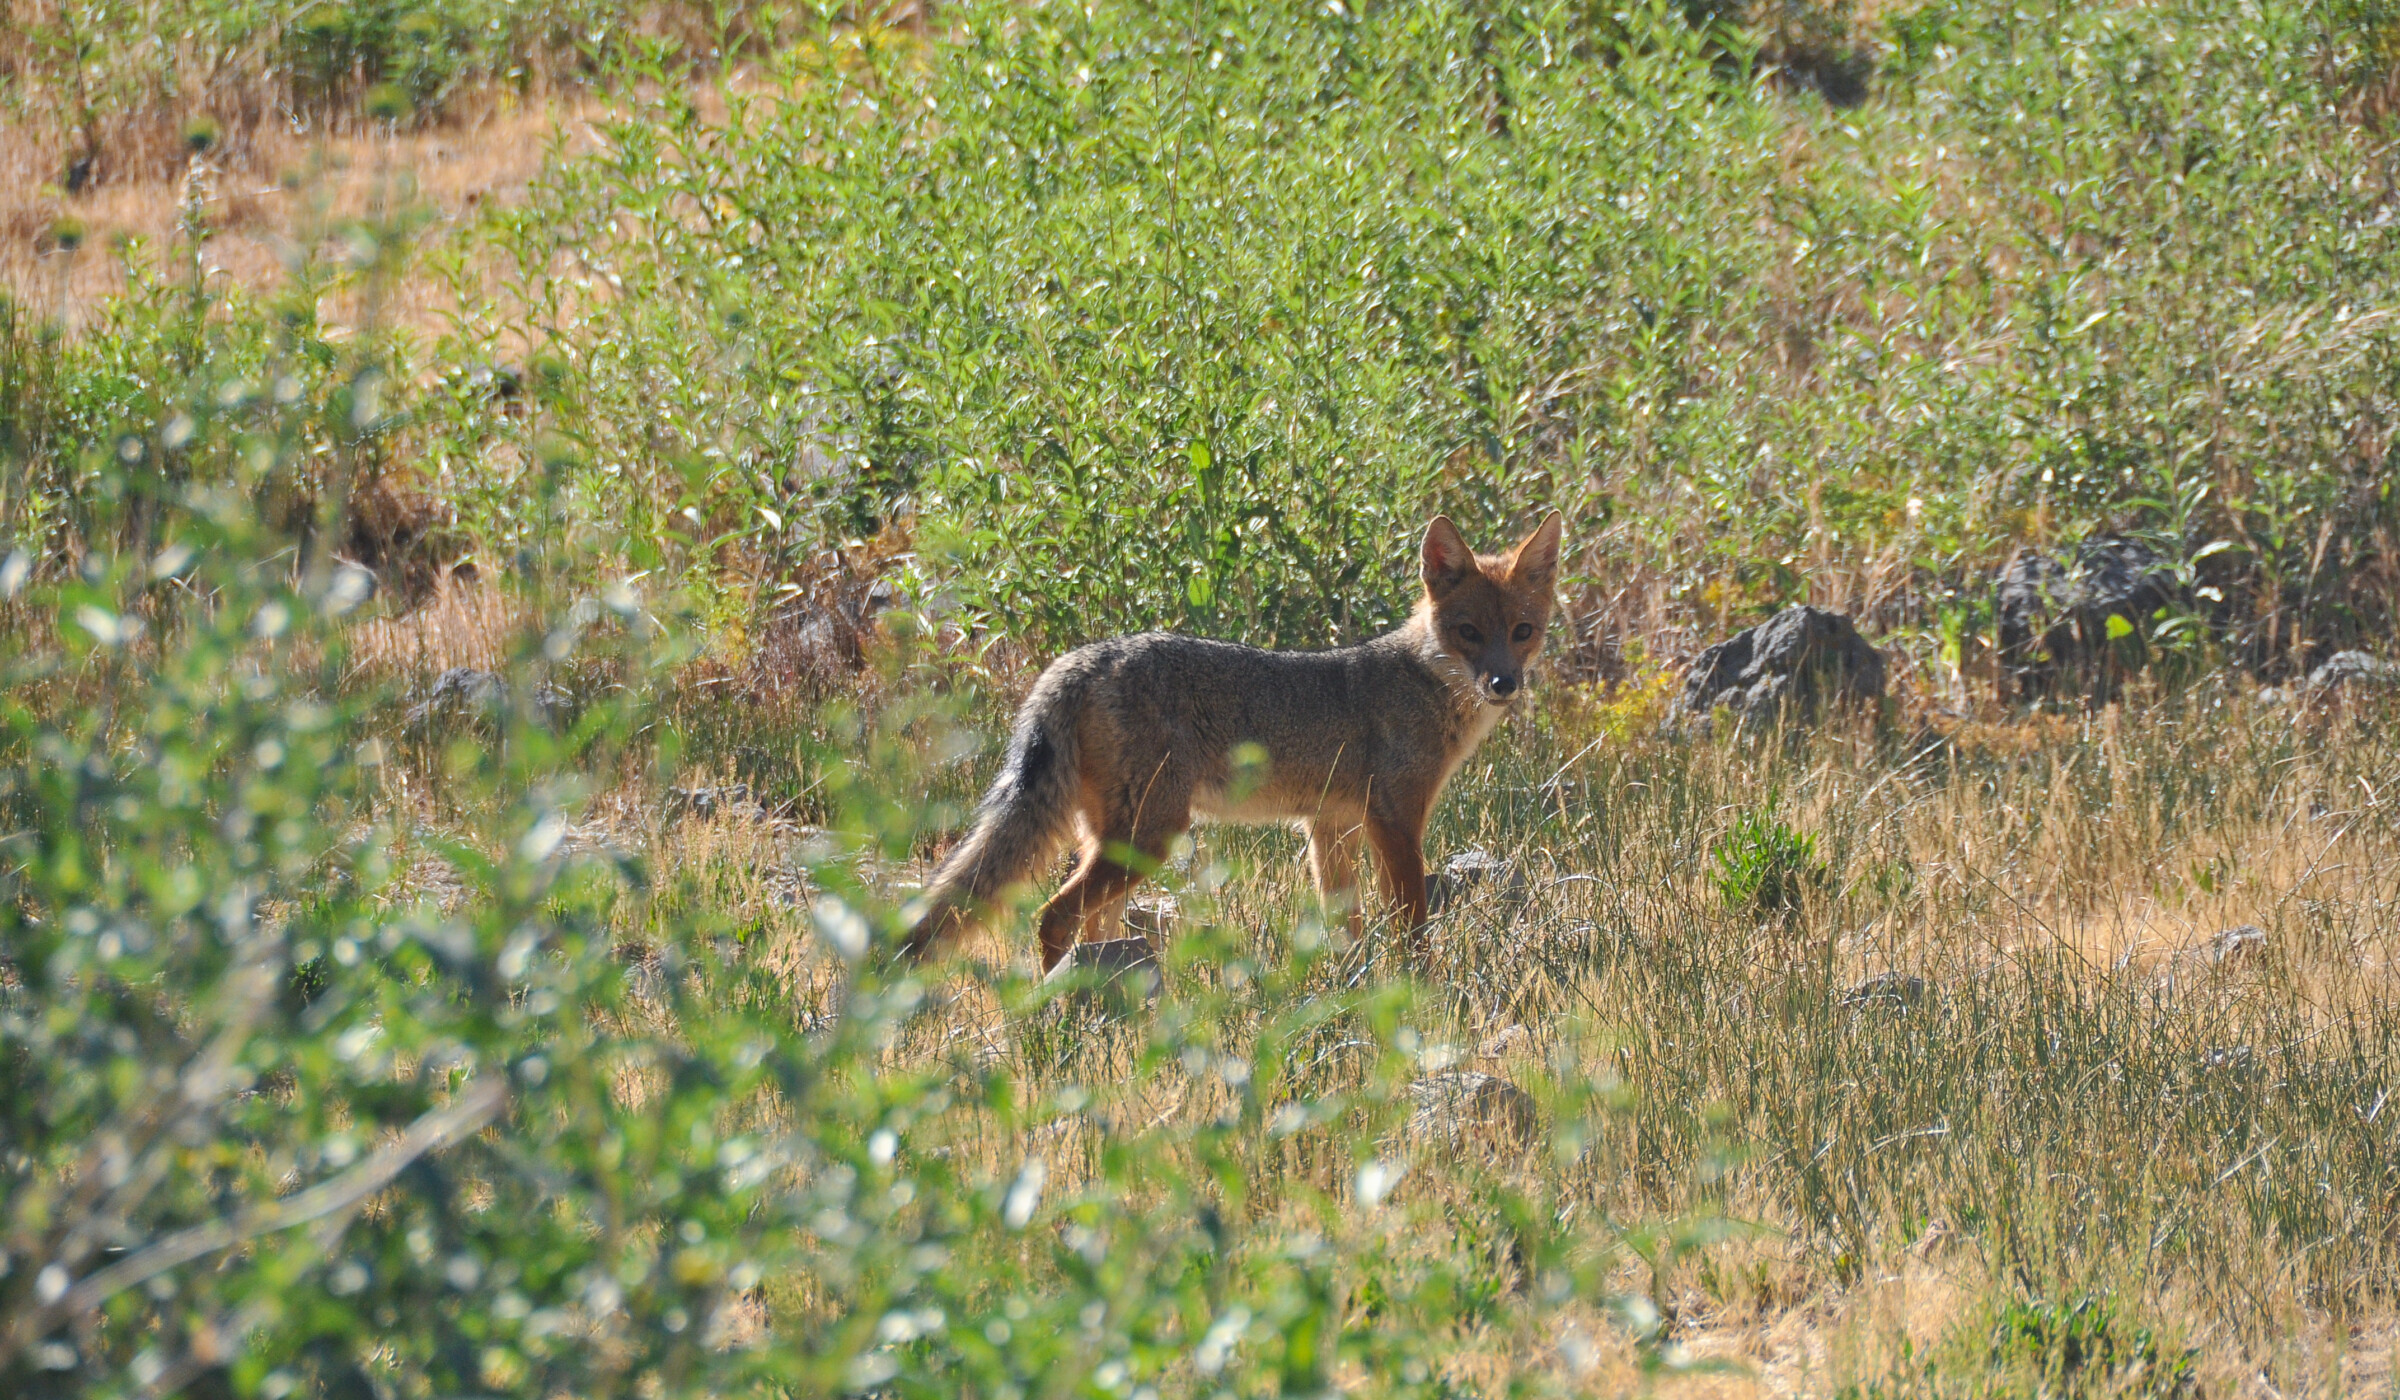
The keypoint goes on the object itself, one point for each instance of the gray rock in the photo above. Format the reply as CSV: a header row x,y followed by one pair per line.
x,y
459,690
1121,966
1895,990
711,801
2344,676
2055,618
1455,1103
1471,874
1790,665
462,692
2238,946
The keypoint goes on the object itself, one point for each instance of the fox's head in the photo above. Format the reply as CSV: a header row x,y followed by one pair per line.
x,y
1488,611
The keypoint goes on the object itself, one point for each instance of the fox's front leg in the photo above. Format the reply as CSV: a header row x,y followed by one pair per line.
x,y
1399,842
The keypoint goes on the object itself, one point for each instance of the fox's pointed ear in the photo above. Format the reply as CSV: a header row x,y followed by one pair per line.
x,y
1535,562
1446,558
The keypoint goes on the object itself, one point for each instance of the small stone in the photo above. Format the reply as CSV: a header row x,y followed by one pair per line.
x,y
1500,1043
1892,989
1470,874
710,801
2238,946
1456,1102
1153,917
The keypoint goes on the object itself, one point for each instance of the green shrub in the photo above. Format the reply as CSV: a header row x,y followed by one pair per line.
x,y
1188,314
1763,865
1127,315
2085,1348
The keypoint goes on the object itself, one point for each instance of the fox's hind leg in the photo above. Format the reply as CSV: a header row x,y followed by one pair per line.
x,y
1333,846
1120,850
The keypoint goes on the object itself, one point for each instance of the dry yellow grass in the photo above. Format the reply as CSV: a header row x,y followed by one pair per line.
x,y
275,188
466,622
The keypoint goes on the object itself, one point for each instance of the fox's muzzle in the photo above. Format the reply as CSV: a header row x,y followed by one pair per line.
x,y
1500,688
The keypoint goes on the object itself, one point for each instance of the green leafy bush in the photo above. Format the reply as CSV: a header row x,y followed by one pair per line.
x,y
1763,865
1187,314
2085,1348
1127,316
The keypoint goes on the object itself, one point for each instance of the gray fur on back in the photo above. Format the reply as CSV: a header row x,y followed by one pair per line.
x,y
1324,715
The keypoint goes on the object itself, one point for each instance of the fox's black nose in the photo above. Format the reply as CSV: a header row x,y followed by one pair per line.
x,y
1504,685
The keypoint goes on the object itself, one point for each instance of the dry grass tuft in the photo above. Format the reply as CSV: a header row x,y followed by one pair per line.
x,y
464,621
257,196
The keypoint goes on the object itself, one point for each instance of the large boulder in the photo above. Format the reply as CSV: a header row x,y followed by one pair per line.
x,y
2079,623
1790,665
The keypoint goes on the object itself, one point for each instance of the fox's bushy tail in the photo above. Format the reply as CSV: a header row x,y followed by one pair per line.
x,y
1019,825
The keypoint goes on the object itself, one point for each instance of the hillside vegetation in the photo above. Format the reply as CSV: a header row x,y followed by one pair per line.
x,y
519,525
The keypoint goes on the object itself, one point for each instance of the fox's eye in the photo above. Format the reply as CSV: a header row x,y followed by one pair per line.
x,y
1524,631
1471,636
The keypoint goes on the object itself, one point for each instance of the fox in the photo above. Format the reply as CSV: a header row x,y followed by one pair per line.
x,y
1123,743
